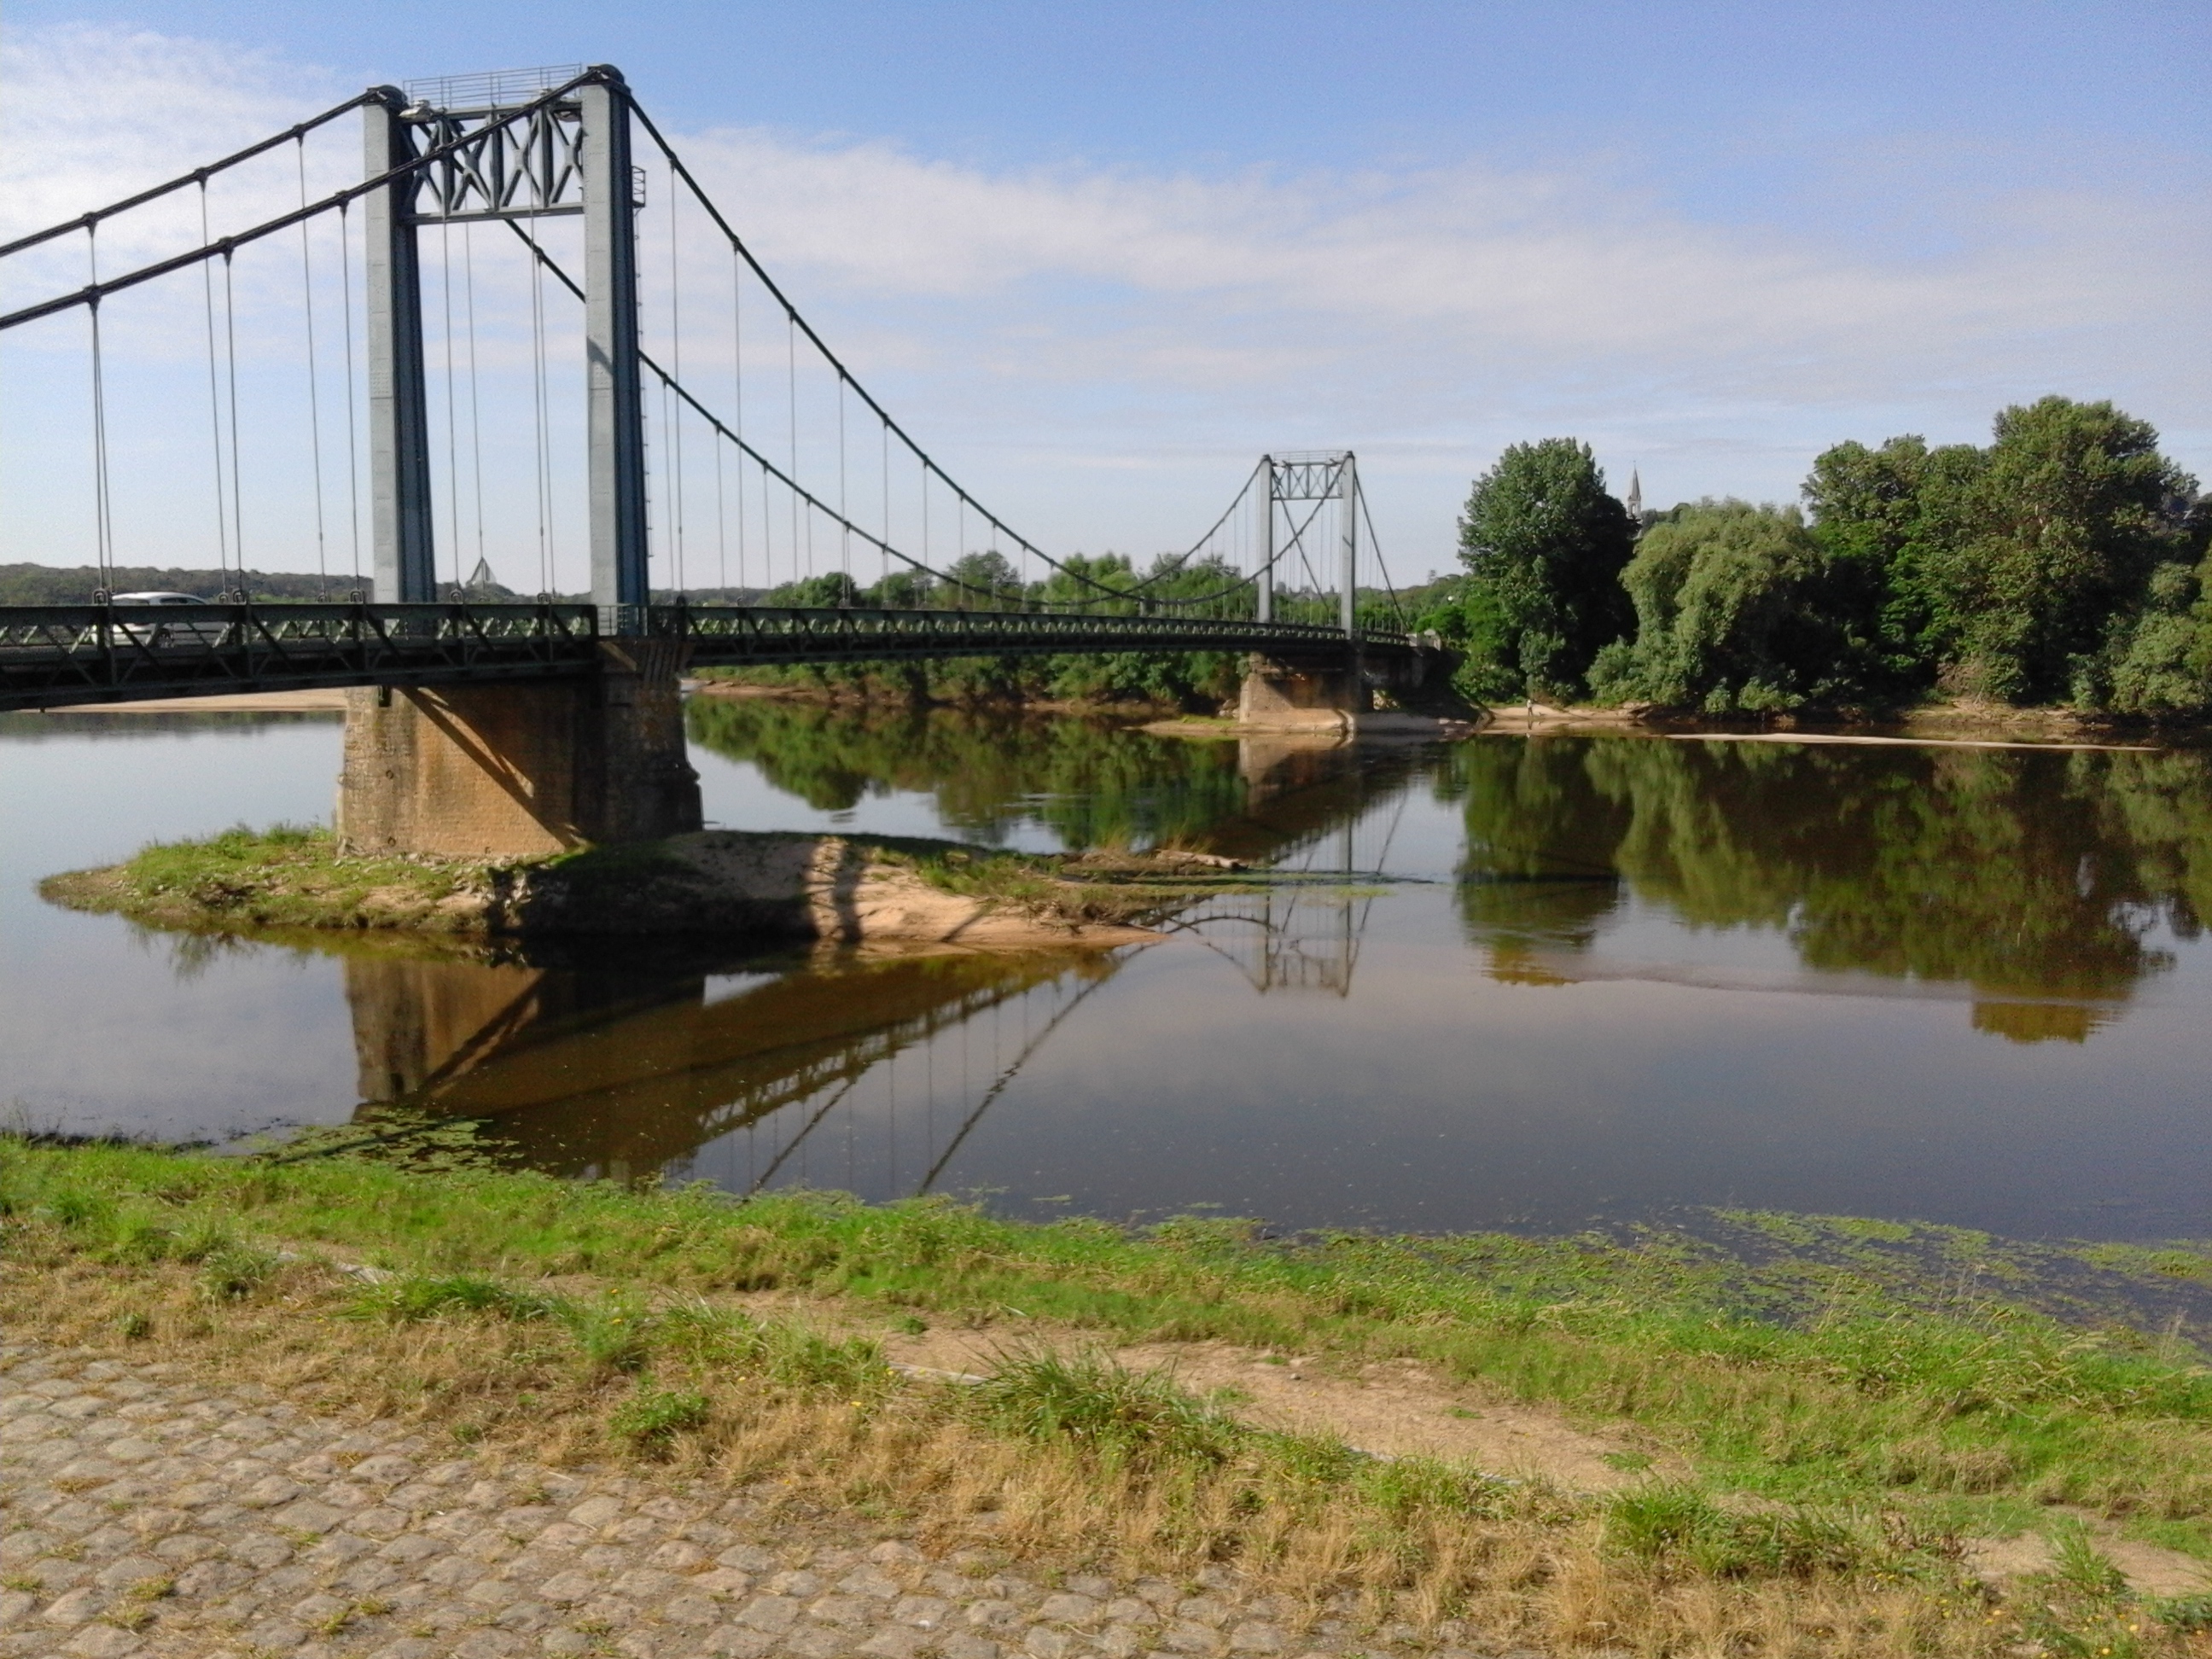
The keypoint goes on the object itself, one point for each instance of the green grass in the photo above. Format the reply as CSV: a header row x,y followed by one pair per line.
x,y
1133,1416
282,879
1793,1379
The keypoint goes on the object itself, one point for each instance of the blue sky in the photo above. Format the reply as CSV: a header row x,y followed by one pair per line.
x,y
1098,257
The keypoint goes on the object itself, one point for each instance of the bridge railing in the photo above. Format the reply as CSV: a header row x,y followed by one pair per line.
x,y
52,655
58,655
735,634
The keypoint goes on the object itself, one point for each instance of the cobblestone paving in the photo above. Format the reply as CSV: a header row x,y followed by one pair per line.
x,y
143,1513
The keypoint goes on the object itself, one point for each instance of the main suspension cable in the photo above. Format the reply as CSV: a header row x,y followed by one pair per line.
x,y
197,176
211,248
797,324
544,262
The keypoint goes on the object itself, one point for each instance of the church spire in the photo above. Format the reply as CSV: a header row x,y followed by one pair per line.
x,y
1635,495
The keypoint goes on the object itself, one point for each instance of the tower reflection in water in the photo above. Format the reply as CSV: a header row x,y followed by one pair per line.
x,y
861,1071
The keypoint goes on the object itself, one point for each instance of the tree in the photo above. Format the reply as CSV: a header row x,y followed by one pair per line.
x,y
2073,509
834,589
1544,545
981,581
902,589
1888,517
1737,607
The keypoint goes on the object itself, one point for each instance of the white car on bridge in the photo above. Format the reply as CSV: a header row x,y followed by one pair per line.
x,y
172,624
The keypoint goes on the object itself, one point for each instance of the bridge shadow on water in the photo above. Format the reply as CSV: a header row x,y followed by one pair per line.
x,y
863,1070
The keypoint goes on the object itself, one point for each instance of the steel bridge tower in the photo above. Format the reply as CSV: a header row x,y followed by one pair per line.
x,y
571,156
1319,476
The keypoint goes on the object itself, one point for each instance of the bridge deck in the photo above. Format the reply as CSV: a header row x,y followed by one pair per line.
x,y
54,655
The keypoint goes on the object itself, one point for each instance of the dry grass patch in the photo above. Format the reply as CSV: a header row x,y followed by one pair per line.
x,y
1060,1459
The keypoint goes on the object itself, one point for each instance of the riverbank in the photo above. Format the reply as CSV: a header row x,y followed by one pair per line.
x,y
1955,724
853,891
1826,1443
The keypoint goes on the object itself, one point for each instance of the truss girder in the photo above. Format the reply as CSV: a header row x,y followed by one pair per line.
x,y
1309,480
52,656
769,635
523,169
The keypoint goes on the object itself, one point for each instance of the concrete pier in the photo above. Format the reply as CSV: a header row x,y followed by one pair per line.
x,y
524,767
1332,693
1320,693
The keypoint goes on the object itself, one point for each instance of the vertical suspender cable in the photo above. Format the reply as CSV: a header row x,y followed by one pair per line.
x,y
660,479
453,414
476,422
352,440
230,355
721,531
768,530
214,397
103,526
791,363
844,518
674,422
315,386
542,487
737,395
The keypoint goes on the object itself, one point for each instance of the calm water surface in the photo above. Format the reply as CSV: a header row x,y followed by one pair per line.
x,y
1532,982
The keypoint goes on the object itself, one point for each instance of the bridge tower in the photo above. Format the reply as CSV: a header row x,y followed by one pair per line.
x,y
540,766
1325,689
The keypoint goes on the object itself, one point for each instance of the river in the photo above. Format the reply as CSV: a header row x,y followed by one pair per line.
x,y
1534,982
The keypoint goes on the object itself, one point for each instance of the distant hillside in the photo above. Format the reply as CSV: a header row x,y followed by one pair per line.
x,y
46,584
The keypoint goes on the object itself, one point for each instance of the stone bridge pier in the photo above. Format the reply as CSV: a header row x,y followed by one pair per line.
x,y
521,767
1329,691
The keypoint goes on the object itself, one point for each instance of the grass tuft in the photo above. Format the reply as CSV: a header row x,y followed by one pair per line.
x,y
651,1418
1677,1526
1096,1403
409,1297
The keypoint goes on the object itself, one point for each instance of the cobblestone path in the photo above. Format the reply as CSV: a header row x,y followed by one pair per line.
x,y
143,1513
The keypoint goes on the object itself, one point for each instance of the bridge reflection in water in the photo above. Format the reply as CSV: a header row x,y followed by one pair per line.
x,y
590,1074
862,1072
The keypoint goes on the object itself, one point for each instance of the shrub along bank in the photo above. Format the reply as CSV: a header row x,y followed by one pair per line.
x,y
1845,1425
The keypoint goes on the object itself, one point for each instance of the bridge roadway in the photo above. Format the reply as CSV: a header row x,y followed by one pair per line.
x,y
52,656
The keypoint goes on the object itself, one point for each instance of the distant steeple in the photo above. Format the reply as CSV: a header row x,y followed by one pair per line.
x,y
482,576
1635,495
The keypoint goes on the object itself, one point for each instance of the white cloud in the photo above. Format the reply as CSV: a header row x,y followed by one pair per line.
x,y
1034,325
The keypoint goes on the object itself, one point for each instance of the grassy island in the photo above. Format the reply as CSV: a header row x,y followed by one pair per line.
x,y
1824,1432
847,888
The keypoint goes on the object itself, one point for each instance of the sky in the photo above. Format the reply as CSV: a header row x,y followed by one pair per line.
x,y
1099,258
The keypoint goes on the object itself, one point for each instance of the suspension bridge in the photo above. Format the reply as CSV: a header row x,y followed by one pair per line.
x,y
374,338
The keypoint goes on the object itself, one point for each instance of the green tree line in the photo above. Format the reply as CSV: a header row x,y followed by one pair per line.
x,y
989,580
2063,561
